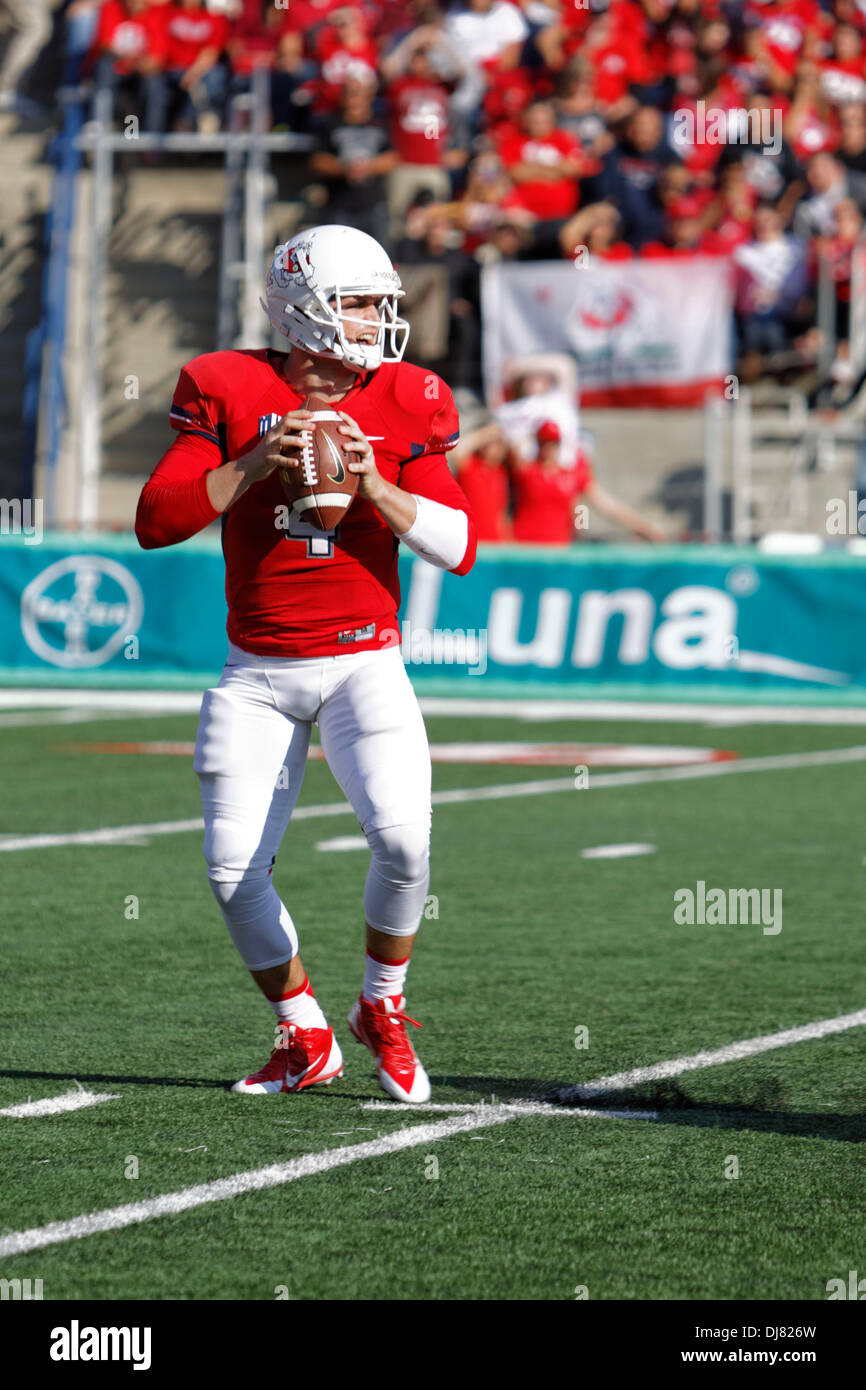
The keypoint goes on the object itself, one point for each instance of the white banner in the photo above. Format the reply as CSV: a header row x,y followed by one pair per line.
x,y
652,332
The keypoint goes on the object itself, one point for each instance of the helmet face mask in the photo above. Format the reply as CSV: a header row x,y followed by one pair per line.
x,y
309,278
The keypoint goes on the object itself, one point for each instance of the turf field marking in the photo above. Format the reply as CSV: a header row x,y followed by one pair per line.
x,y
456,796
172,1203
733,1052
341,843
159,702
477,1116
516,1107
56,1105
616,851
255,1180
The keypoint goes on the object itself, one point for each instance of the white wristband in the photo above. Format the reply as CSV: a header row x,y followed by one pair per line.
x,y
438,534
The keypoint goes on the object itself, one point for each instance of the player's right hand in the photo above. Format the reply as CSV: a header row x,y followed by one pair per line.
x,y
280,447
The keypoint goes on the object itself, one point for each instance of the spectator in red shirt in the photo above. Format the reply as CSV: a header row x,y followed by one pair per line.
x,y
686,233
343,49
546,496
420,133
843,74
595,231
195,81
544,164
483,475
127,53
733,210
307,18
254,37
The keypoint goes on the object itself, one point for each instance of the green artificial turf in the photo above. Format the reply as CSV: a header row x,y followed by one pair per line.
x,y
530,943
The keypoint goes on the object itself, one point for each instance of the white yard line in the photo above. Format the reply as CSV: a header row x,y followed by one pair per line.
x,y
648,712
463,1119
147,702
171,1203
130,701
734,1052
516,1107
598,781
56,1105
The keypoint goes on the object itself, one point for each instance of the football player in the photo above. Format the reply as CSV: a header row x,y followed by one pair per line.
x,y
312,627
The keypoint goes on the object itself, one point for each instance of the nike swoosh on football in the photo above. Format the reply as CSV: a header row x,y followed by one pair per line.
x,y
340,475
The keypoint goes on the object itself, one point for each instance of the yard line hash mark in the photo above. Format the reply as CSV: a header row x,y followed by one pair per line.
x,y
733,1052
783,762
56,1105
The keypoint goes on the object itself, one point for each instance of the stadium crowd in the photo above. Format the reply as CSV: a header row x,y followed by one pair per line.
x,y
462,132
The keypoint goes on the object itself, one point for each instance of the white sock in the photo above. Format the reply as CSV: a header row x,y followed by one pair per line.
x,y
383,978
299,1006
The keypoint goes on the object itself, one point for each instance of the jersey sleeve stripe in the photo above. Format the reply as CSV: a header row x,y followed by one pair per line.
x,y
183,419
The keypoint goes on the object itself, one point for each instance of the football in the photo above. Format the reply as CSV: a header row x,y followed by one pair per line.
x,y
322,489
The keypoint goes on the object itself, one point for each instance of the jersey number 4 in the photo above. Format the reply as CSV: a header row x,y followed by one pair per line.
x,y
320,544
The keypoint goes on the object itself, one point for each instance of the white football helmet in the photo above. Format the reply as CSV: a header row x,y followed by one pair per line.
x,y
330,262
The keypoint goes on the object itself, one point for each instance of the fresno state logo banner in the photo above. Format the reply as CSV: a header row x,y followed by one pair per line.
x,y
654,332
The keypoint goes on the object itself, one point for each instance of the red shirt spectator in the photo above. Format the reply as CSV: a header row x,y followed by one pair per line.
x,y
843,74
545,500
509,91
545,493
419,120
343,49
254,37
187,30
540,142
129,32
613,51
783,27
307,17
485,484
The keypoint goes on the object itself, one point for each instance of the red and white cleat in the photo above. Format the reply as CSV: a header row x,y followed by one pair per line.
x,y
382,1028
302,1057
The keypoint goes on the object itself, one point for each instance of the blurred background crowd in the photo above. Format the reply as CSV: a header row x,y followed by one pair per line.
x,y
480,130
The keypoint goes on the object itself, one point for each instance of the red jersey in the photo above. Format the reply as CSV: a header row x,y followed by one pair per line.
x,y
548,199
128,37
338,61
187,33
783,27
544,501
294,591
486,488
419,120
307,17
843,81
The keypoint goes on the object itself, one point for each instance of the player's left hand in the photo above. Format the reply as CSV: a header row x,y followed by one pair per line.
x,y
370,482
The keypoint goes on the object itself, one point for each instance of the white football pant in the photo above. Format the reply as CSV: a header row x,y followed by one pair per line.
x,y
251,752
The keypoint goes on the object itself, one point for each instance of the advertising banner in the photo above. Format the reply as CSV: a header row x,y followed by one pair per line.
x,y
560,620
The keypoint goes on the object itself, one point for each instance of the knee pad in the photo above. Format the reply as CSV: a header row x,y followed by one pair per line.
x,y
258,921
398,878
